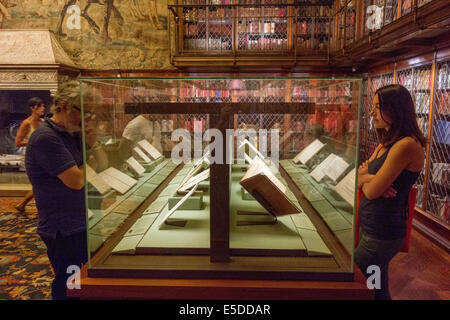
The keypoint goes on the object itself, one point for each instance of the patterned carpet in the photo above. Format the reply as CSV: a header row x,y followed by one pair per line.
x,y
25,272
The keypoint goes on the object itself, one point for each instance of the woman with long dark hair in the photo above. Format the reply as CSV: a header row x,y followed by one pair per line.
x,y
386,180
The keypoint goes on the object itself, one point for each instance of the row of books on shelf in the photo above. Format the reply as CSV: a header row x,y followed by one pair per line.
x,y
266,12
200,13
423,79
316,28
443,103
440,173
206,2
422,122
249,2
439,206
406,80
314,11
444,78
422,102
203,93
320,44
408,4
199,29
262,26
442,132
213,44
347,19
249,43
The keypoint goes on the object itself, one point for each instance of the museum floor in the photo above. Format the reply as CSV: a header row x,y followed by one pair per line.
x,y
25,272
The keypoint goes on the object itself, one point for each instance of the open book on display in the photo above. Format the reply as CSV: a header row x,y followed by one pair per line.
x,y
117,180
309,152
244,143
151,150
346,187
141,154
333,167
96,180
193,181
175,208
135,166
265,187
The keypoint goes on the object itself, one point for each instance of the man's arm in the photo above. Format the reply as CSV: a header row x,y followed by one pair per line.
x,y
73,177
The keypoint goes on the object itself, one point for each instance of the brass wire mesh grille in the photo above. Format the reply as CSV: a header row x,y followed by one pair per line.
x,y
418,82
438,194
247,25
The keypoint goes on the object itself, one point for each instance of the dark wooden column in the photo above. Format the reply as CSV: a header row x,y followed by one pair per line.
x,y
220,193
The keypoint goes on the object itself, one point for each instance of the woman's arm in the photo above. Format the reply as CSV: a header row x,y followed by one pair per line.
x,y
24,129
363,170
400,156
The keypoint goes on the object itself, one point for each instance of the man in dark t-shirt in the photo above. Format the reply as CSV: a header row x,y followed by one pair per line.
x,y
54,164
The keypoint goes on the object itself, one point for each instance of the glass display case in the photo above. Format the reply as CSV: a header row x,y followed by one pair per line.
x,y
231,178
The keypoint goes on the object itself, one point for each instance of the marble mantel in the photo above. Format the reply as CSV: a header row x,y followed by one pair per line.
x,y
32,60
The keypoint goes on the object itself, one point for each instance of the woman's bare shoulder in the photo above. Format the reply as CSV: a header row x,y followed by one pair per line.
x,y
411,148
26,123
408,143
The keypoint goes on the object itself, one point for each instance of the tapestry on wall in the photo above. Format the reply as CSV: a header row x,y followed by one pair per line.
x,y
98,34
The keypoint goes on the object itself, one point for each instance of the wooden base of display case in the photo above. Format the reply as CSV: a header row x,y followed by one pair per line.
x,y
141,288
185,255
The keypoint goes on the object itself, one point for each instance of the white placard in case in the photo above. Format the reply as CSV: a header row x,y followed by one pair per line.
x,y
195,180
253,148
346,187
99,184
113,172
319,172
248,159
196,168
310,151
151,150
90,214
96,180
115,183
179,203
142,155
136,166
336,168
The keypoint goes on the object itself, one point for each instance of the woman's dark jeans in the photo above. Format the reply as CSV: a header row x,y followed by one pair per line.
x,y
377,252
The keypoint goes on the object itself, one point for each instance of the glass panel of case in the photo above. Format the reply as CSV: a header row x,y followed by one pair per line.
x,y
152,183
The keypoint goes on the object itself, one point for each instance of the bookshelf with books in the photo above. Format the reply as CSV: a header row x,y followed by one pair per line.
x,y
240,28
313,25
438,189
262,25
207,28
345,21
418,81
428,80
374,83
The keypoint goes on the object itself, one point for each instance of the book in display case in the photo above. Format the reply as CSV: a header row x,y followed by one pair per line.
x,y
225,195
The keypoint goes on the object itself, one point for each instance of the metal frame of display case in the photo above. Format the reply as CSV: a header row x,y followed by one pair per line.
x,y
221,263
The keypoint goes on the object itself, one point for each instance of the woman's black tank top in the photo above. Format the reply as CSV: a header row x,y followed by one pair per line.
x,y
385,218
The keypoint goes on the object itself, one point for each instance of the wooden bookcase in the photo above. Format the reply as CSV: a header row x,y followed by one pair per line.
x,y
242,28
429,85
